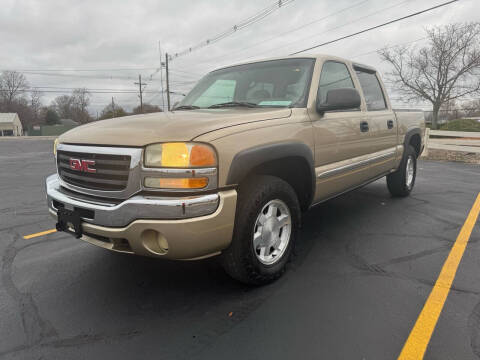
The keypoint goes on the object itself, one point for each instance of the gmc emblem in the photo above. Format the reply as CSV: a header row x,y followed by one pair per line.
x,y
82,165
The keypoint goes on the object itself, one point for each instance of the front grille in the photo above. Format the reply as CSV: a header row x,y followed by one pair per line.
x,y
111,171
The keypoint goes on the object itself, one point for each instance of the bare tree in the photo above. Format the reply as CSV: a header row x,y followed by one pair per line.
x,y
64,106
36,104
12,85
444,70
81,100
73,106
471,108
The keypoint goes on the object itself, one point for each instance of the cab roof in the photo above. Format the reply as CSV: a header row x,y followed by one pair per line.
x,y
303,56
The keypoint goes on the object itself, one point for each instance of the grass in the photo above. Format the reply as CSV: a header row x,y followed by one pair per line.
x,y
461,125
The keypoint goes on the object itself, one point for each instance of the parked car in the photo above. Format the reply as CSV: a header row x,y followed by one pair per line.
x,y
231,169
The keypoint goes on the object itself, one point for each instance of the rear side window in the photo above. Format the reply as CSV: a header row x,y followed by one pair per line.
x,y
372,91
334,75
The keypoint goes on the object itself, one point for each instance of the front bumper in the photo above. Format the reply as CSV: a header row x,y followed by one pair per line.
x,y
175,228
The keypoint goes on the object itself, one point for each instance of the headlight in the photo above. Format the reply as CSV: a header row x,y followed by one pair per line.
x,y
55,144
180,155
196,156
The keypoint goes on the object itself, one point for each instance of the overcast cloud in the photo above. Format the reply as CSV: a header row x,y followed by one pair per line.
x,y
107,35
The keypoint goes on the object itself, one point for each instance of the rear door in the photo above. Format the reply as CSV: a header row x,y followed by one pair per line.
x,y
381,121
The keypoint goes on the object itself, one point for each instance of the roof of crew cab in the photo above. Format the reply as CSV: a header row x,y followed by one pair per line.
x,y
302,56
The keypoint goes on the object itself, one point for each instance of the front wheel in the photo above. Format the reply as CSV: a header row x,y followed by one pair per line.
x,y
401,182
266,228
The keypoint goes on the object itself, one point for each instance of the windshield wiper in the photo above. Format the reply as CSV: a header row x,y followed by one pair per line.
x,y
186,107
233,104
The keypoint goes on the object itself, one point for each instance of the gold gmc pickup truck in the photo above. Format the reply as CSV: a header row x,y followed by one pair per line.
x,y
231,168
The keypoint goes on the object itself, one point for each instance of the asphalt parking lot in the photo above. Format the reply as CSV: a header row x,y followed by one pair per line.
x,y
360,277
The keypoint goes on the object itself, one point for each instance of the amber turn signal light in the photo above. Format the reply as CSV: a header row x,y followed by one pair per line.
x,y
176,183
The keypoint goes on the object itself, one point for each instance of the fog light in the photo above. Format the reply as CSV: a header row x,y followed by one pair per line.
x,y
155,242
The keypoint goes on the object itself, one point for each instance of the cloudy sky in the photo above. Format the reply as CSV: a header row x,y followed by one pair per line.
x,y
104,45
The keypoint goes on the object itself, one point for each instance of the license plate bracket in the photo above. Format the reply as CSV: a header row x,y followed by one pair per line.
x,y
68,220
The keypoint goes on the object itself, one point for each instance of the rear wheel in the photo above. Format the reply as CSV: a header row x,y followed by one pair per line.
x,y
401,182
266,228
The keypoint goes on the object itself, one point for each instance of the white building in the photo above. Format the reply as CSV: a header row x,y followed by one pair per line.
x,y
10,125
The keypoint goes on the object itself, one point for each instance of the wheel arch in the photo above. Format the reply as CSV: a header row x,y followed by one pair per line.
x,y
291,162
413,137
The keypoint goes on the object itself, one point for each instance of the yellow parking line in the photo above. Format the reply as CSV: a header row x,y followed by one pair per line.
x,y
26,237
421,333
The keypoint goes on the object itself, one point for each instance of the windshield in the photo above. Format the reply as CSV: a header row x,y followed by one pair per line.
x,y
275,83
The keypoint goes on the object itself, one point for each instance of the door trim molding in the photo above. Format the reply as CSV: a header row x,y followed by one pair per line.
x,y
346,166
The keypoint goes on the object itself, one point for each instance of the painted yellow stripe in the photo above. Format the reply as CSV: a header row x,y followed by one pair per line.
x,y
421,333
26,237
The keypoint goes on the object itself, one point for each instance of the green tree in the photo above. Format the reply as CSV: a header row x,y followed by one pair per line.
x,y
51,117
109,112
147,108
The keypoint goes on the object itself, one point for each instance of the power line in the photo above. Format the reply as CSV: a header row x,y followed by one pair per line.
x,y
392,46
389,47
185,72
80,69
376,27
241,25
105,76
293,30
330,29
338,27
90,91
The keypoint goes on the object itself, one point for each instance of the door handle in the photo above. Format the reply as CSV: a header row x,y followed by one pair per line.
x,y
390,124
364,126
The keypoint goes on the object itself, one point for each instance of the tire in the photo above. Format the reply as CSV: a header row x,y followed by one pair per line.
x,y
401,182
251,258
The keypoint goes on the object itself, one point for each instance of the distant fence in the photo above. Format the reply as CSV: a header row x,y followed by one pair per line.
x,y
464,141
444,116
48,130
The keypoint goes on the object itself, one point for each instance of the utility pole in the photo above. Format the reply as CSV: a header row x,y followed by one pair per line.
x,y
168,84
113,108
140,90
161,76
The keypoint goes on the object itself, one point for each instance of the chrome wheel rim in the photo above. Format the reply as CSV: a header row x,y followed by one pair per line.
x,y
410,171
271,232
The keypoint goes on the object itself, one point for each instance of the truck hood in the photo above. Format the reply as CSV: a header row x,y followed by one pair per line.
x,y
141,130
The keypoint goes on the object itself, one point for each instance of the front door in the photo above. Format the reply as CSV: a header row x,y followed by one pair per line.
x,y
342,138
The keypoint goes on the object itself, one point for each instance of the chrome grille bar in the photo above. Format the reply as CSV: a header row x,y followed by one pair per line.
x,y
116,170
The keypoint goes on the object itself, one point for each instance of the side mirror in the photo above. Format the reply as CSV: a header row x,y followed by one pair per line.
x,y
340,99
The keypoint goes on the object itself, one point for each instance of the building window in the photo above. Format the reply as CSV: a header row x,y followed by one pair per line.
x,y
7,132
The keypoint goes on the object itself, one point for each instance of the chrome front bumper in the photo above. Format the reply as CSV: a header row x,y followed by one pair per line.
x,y
110,214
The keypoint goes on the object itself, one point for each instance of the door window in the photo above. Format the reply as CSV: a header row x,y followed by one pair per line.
x,y
371,90
335,75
